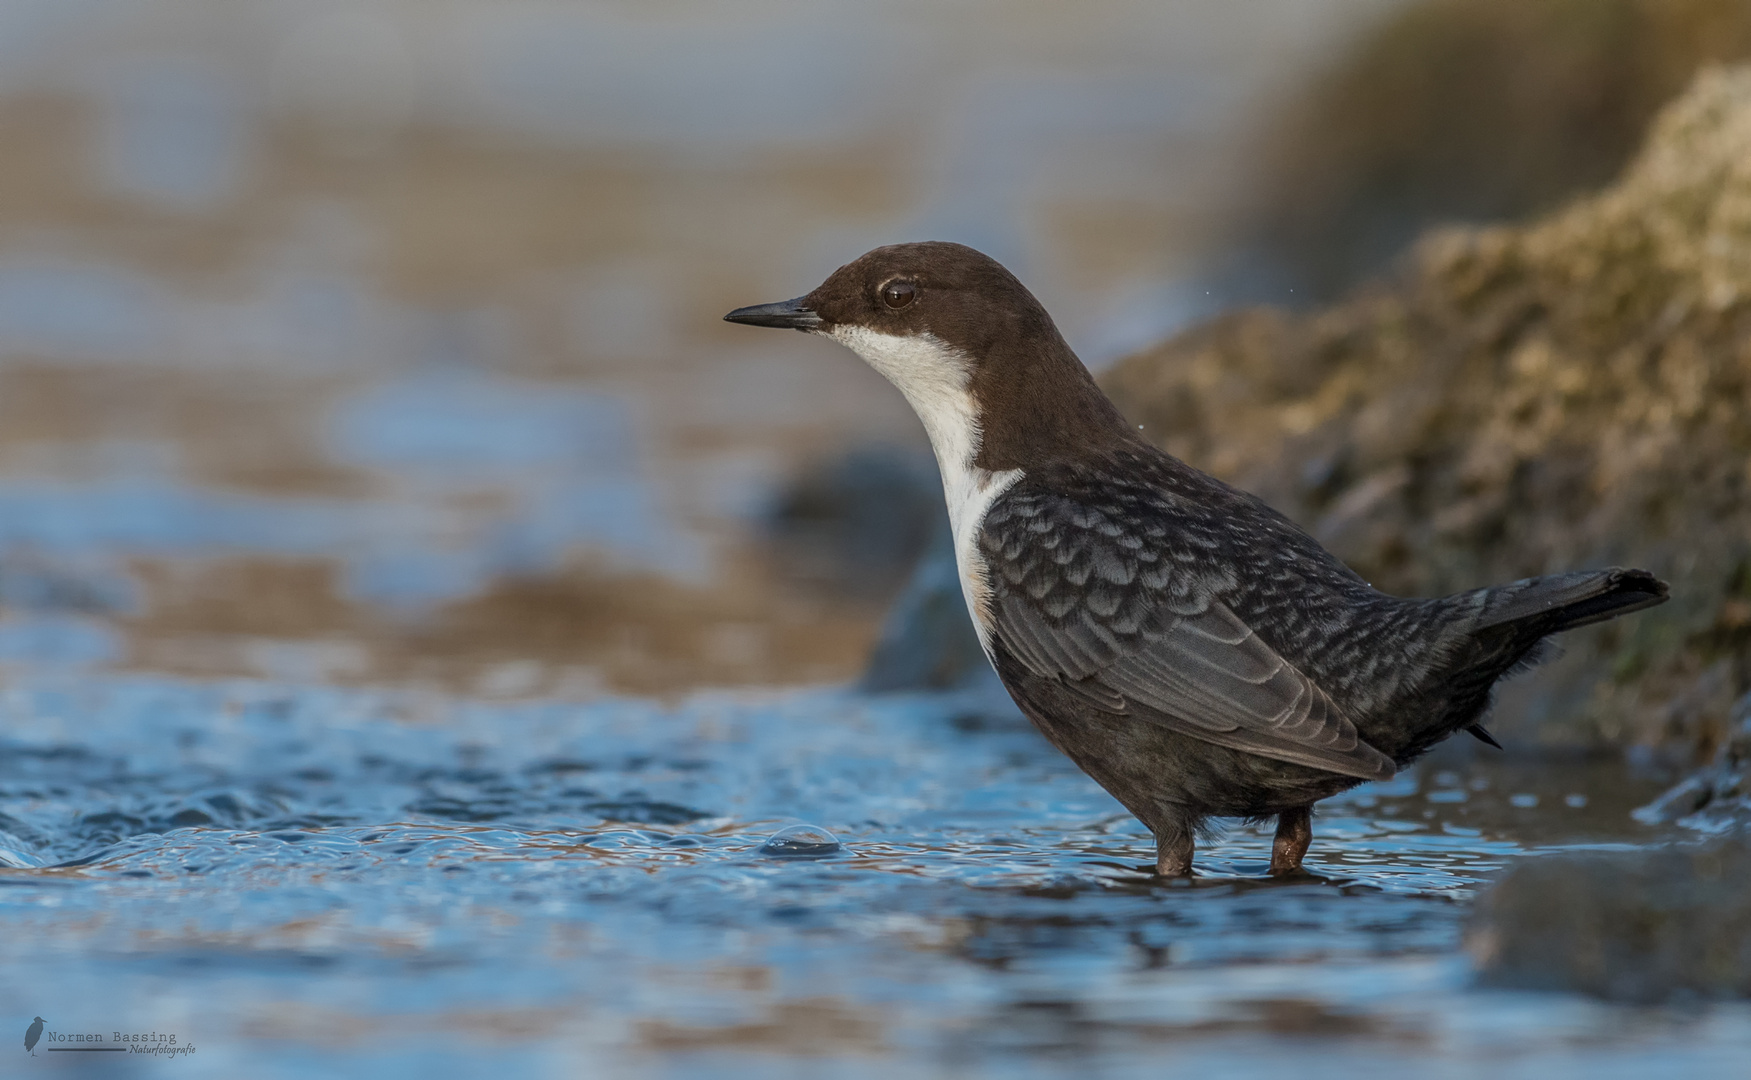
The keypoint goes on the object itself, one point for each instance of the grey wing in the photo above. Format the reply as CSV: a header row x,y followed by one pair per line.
x,y
1205,675
1118,596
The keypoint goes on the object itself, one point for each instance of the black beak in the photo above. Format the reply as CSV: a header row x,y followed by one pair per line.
x,y
786,314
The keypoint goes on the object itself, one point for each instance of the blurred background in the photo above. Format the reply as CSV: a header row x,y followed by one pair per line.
x,y
380,341
398,553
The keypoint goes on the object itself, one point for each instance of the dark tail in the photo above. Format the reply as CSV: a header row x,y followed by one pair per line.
x,y
1503,630
1546,605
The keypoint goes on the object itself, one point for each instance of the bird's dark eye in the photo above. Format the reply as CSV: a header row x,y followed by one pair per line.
x,y
897,294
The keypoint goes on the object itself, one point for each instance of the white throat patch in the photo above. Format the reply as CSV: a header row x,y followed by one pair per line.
x,y
934,377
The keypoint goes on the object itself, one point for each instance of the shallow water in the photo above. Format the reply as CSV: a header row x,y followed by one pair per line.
x,y
379,347
378,312
382,884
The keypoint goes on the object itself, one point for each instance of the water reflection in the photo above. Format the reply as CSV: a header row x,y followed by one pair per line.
x,y
555,884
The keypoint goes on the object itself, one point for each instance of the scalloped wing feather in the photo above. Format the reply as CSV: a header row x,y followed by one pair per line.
x,y
1129,628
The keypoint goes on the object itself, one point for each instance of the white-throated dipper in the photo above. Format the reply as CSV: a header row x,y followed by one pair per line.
x,y
1187,646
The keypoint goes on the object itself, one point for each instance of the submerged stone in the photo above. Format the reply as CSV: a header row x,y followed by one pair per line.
x,y
1637,926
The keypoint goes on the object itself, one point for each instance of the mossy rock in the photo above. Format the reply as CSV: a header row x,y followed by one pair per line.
x,y
1571,393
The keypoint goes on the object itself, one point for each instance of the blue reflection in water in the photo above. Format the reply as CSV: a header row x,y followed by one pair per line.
x,y
81,311
367,883
447,420
174,135
558,470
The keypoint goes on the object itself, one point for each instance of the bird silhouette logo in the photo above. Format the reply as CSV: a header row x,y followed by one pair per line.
x,y
32,1034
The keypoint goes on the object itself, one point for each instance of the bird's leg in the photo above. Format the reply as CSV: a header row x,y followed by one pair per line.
x,y
1294,833
1173,852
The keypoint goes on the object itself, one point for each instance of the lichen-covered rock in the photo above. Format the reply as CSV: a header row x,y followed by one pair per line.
x,y
1568,394
1641,926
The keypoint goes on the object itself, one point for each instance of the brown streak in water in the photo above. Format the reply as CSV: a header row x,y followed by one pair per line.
x,y
809,1026
249,431
630,633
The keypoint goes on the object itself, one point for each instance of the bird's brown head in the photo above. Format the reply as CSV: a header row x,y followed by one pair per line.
x,y
968,345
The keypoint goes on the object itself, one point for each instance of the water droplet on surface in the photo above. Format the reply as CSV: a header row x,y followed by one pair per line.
x,y
800,842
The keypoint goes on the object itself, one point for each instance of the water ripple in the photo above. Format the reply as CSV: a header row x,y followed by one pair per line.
x,y
244,860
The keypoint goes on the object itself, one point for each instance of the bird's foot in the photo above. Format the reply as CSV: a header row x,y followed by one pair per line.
x,y
1294,834
1173,858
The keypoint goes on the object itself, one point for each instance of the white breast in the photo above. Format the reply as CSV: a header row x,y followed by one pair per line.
x,y
935,379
